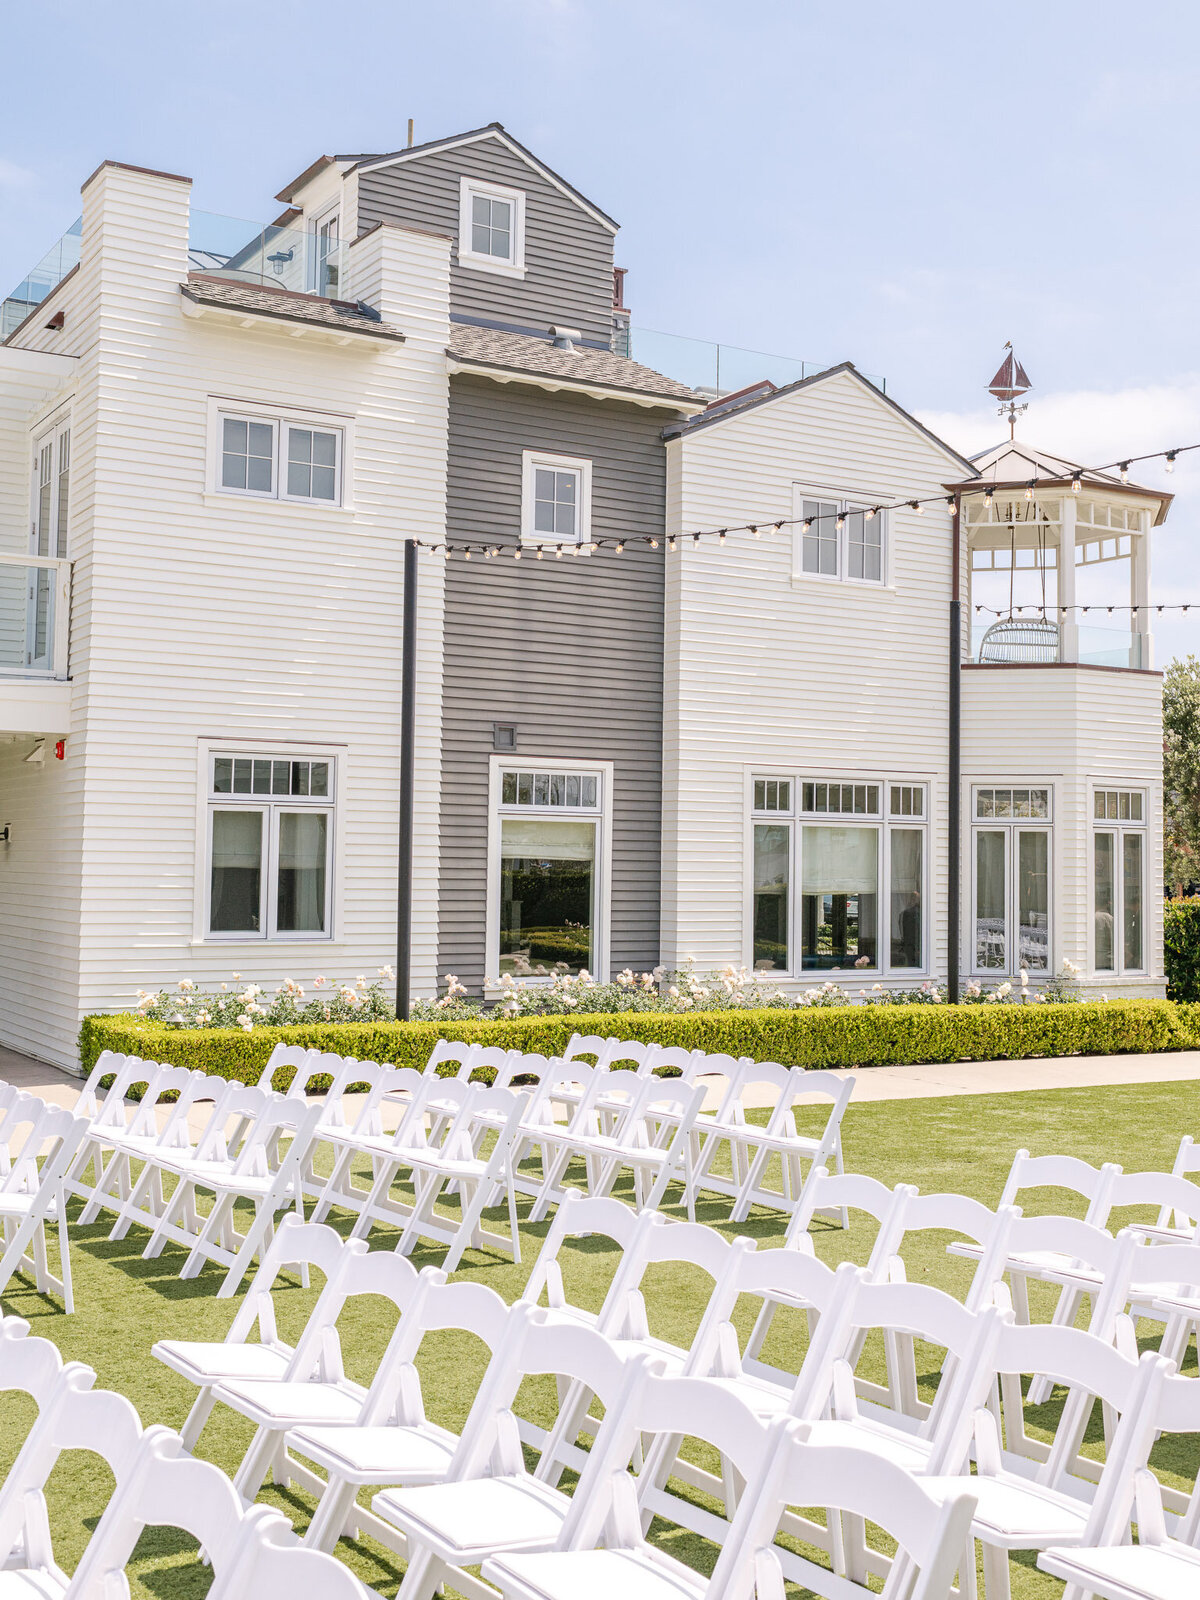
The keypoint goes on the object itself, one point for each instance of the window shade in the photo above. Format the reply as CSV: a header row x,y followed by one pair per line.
x,y
840,861
551,840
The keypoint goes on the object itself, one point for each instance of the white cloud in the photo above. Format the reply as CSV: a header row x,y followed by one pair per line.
x,y
13,176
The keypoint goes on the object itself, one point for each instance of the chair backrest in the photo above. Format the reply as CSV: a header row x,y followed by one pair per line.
x,y
296,1244
455,1054
261,1151
1187,1157
669,1061
663,1111
272,1566
88,1102
629,1054
286,1055
232,1115
435,1306
35,1365
854,1191
579,1215
1061,1172
112,1110
46,1125
587,1044
931,1532
497,1067
952,1213
682,1244
573,1081
1174,1196
1086,1244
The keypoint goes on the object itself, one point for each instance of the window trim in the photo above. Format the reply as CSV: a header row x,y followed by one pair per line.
x,y
1118,828
847,502
795,818
601,814
1012,826
334,806
282,421
468,188
531,460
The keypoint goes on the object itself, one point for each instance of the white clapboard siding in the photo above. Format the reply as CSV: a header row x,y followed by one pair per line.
x,y
765,672
201,617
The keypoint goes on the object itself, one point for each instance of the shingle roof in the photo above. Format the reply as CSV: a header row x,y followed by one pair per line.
x,y
264,300
517,352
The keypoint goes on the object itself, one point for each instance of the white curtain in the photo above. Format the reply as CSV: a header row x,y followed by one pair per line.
x,y
302,845
840,860
548,840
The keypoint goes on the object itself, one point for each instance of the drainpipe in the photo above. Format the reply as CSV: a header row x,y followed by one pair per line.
x,y
408,702
954,829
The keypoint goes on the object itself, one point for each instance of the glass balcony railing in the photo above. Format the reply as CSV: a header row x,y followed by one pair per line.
x,y
48,274
720,368
1096,647
261,253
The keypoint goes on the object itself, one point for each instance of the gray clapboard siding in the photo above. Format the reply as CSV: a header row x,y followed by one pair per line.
x,y
568,254
570,651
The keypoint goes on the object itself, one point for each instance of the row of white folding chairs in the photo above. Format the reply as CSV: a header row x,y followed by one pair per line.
x,y
381,1437
252,1551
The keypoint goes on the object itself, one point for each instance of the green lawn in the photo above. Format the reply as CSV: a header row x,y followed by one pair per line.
x,y
963,1144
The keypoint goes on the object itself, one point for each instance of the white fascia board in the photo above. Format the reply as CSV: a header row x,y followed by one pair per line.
x,y
594,391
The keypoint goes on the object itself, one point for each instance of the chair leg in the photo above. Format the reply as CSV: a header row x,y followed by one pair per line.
x,y
64,1251
196,1418
996,1581
209,1234
256,1463
330,1518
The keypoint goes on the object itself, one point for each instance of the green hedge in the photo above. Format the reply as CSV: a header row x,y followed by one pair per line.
x,y
848,1036
1181,948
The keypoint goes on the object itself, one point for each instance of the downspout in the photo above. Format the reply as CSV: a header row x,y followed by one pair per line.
x,y
954,828
408,724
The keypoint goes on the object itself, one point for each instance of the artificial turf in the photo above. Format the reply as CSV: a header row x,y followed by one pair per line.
x,y
963,1144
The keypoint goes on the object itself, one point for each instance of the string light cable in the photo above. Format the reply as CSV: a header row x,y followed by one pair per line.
x,y
948,502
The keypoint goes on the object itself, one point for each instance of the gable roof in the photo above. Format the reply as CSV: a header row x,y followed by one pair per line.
x,y
493,130
492,351
1013,464
721,411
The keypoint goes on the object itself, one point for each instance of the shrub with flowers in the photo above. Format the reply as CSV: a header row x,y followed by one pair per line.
x,y
246,1005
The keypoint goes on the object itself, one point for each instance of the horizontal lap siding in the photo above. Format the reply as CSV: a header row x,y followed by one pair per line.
x,y
818,676
570,651
568,255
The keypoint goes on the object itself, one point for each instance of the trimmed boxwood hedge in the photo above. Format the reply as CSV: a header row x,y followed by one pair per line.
x,y
846,1036
1181,948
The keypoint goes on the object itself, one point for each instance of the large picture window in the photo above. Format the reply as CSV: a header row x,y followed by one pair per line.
x,y
1011,868
858,872
270,845
548,905
1118,880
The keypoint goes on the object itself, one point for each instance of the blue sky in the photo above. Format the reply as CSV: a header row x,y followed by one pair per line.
x,y
907,187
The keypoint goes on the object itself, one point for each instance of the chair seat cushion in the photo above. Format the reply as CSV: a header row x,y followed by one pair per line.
x,y
209,1363
27,1584
465,1522
1016,1514
1168,1571
378,1455
591,1575
285,1405
904,1449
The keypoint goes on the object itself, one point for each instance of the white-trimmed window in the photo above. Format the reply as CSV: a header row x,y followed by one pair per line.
x,y
556,499
548,868
1011,853
491,227
278,457
270,845
1119,880
837,882
839,539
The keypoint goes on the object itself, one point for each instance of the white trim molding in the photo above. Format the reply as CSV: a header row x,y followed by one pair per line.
x,y
531,461
510,266
280,421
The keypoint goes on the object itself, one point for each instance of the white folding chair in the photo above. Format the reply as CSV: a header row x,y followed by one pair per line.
x,y
434,1164
261,1172
157,1126
489,1500
392,1442
315,1391
111,1114
1020,1510
207,1363
365,1137
563,1103
33,1193
296,1056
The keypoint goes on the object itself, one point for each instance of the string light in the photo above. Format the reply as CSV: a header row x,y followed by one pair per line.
x,y
495,551
671,542
695,540
620,547
558,552
654,544
1029,488
841,521
757,532
516,552
539,552
987,496
467,553
720,536
1124,472
778,527
1076,481
1171,460
869,513
917,507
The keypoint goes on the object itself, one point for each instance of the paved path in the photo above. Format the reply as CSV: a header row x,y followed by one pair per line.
x,y
870,1083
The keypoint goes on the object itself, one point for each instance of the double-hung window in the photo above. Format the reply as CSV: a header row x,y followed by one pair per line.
x,y
837,538
47,538
1011,870
556,500
1119,880
270,845
279,458
491,227
838,875
547,909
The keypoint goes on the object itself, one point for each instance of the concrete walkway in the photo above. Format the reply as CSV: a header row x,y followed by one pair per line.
x,y
870,1083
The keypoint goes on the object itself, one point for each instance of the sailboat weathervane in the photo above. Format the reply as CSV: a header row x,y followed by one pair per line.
x,y
1009,384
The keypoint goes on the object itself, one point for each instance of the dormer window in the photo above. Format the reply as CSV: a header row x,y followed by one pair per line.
x,y
491,228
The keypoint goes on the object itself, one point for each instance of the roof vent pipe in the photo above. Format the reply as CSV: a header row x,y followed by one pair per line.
x,y
566,338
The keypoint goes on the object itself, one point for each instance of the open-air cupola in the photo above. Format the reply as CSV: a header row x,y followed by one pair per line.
x,y
1057,558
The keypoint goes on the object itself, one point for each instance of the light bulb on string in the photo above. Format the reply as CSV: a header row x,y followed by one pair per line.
x,y
778,527
721,536
1029,489
987,496
620,547
869,513
841,521
539,552
495,551
654,544
1124,472
695,541
917,507
755,531
1170,460
1076,481
467,553
517,552
671,542
558,552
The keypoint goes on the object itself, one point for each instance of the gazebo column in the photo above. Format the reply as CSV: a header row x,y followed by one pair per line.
x,y
1068,620
1139,597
